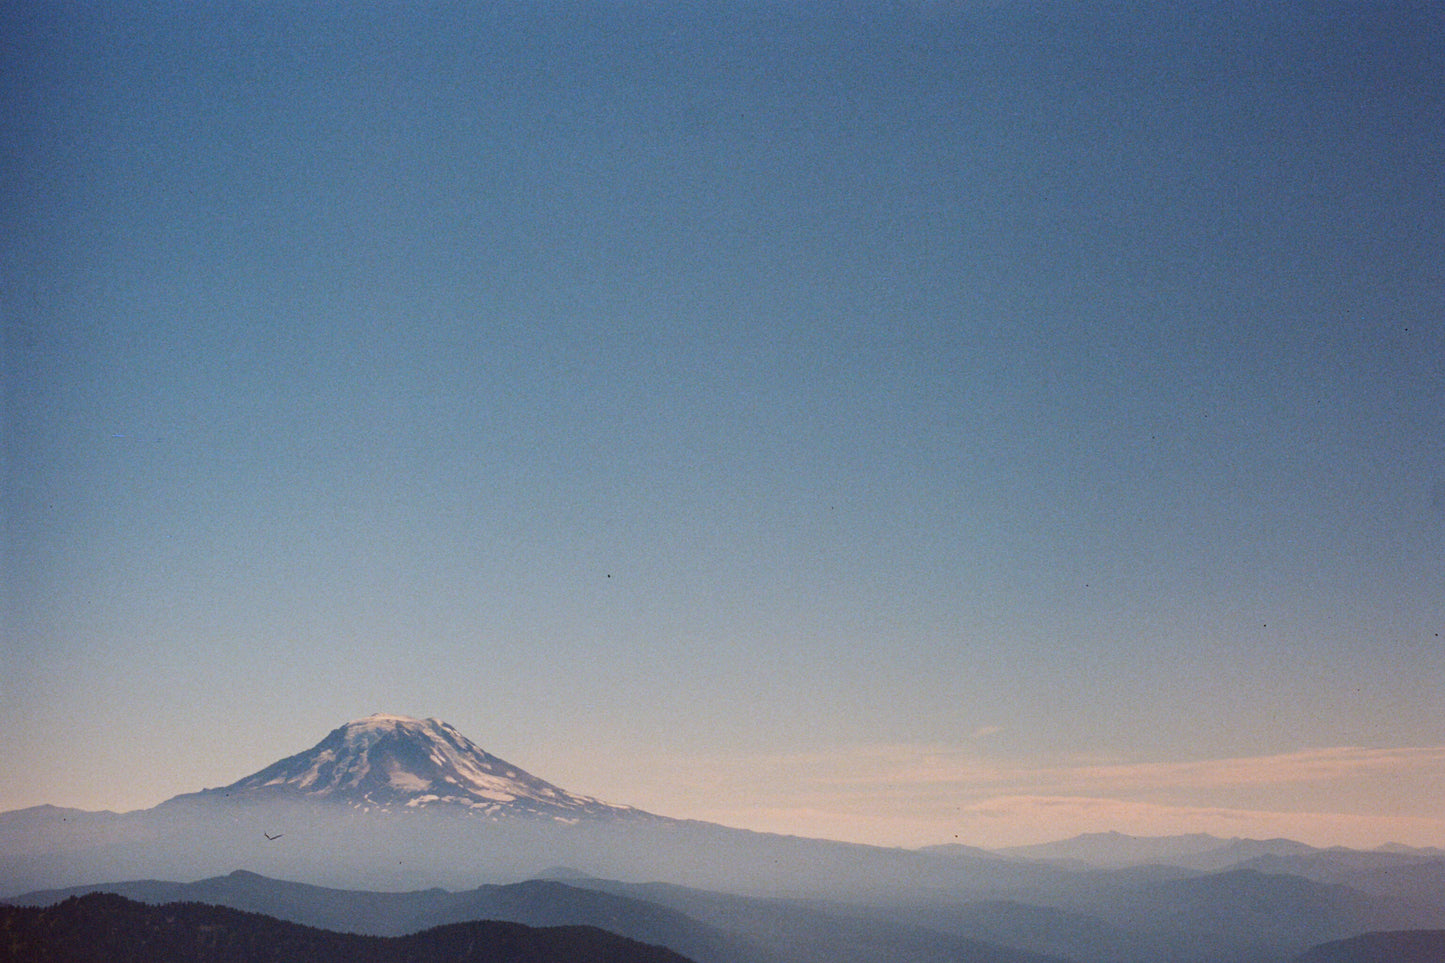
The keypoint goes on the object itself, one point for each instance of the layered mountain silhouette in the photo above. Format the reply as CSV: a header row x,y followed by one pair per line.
x,y
391,825
1233,917
391,802
702,926
537,903
105,927
1405,946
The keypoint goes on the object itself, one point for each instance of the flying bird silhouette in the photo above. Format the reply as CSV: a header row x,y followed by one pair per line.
x,y
275,837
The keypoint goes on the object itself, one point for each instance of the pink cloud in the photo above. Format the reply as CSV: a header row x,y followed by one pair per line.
x,y
915,794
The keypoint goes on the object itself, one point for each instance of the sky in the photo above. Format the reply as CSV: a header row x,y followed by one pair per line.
x,y
907,423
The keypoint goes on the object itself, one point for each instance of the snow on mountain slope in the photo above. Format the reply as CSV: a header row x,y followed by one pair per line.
x,y
389,762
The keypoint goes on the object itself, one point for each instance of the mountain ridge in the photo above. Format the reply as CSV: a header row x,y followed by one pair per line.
x,y
701,926
105,926
396,818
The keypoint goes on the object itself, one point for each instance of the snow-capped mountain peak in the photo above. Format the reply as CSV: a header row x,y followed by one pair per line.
x,y
392,762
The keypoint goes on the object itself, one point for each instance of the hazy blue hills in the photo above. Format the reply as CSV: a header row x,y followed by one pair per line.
x,y
534,903
1408,946
1047,930
1198,851
1240,916
814,930
388,824
1147,916
703,926
390,802
347,847
1125,916
106,928
1410,889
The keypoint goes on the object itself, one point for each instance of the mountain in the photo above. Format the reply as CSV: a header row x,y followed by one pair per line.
x,y
319,842
1240,914
1433,852
388,762
1234,917
1139,915
103,926
537,903
1407,946
1039,929
1410,887
811,931
958,849
1199,851
1113,850
391,802
430,829
703,926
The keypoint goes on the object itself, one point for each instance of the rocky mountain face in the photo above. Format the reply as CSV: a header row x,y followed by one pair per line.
x,y
395,763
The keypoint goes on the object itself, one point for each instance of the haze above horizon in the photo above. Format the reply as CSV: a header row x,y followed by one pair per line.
x,y
901,423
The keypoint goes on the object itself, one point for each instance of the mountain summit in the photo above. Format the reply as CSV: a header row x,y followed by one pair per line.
x,y
388,762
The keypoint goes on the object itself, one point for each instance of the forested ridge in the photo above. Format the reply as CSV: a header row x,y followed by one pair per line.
x,y
105,928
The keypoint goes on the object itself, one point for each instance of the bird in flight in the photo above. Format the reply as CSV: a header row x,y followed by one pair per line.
x,y
269,836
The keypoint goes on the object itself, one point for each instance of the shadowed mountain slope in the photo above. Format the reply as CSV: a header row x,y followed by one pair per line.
x,y
706,927
106,928
1410,946
807,931
535,903
1142,915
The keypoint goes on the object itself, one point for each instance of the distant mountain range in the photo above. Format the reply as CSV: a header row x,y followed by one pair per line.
x,y
1199,851
391,802
704,927
1237,917
389,824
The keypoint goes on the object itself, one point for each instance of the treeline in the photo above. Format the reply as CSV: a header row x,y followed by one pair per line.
x,y
105,928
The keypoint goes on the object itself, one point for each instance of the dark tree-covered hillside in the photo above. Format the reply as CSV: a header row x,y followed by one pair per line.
x,y
104,928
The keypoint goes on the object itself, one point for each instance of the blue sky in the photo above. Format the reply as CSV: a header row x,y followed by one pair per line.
x,y
971,401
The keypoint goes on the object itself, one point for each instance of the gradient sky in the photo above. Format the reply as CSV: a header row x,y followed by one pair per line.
x,y
904,423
